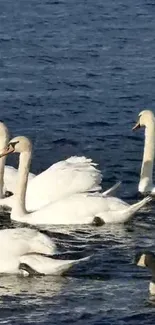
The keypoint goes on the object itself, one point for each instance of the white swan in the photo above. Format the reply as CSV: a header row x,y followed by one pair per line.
x,y
147,119
75,209
8,174
26,251
73,175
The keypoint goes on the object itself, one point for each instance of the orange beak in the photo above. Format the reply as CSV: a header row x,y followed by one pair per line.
x,y
6,151
137,126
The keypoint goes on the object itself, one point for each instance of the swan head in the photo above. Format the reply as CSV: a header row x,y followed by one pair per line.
x,y
4,135
144,119
18,144
147,259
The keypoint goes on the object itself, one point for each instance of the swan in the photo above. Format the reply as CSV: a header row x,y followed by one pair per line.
x,y
73,175
79,208
8,174
147,259
28,251
146,118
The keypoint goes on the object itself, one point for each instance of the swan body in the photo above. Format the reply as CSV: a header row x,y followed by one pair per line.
x,y
45,265
8,202
27,251
18,242
147,119
8,174
73,175
62,179
79,208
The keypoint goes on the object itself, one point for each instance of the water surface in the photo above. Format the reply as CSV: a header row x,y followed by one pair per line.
x,y
73,77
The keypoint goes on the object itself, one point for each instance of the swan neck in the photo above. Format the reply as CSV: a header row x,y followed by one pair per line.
x,y
23,171
2,166
4,138
146,182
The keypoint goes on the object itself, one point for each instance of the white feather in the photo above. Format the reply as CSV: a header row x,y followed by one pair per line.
x,y
48,265
18,242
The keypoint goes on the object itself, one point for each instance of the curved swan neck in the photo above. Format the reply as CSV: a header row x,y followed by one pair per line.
x,y
146,183
20,192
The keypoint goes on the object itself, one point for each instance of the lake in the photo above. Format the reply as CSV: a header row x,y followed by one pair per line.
x,y
73,77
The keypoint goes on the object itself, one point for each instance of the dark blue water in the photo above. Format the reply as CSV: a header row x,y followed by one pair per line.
x,y
73,77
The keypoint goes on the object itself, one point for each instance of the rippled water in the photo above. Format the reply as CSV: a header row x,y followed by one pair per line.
x,y
73,77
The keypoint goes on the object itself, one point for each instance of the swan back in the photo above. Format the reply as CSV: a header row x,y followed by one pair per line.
x,y
21,241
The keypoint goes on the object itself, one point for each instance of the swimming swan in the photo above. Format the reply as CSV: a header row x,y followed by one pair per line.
x,y
79,208
73,175
147,119
28,251
66,177
147,259
8,174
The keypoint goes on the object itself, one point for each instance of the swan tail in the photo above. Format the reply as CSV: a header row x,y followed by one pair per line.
x,y
121,216
38,264
136,206
132,209
112,189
